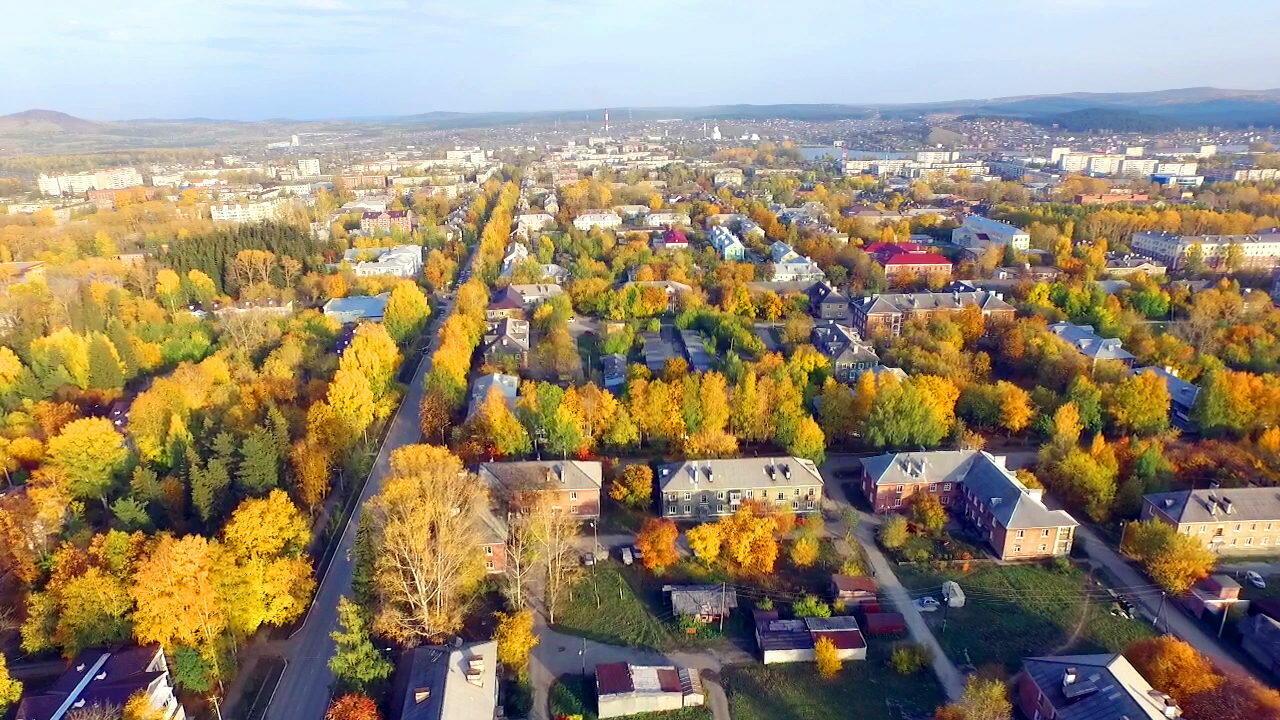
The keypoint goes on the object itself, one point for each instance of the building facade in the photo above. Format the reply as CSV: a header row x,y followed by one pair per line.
x,y
888,312
979,232
1238,520
698,489
1253,250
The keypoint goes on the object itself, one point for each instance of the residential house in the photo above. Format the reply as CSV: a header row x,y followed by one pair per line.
x,y
107,678
672,289
1250,251
670,239
630,213
790,266
728,177
399,261
1127,265
667,219
1093,346
695,350
726,244
976,487
708,603
657,351
976,233
533,295
624,689
794,640
506,343
516,253
507,385
854,590
506,303
603,219
613,370
888,312
575,483
529,223
1182,395
697,489
908,260
458,682
1260,637
828,303
493,542
1235,520
387,222
849,355
1088,687
357,308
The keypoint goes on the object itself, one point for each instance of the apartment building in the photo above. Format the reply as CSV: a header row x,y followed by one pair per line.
x,y
604,219
1257,250
726,244
308,167
400,261
1080,687
107,678
1236,520
698,489
1087,342
908,260
976,487
980,232
387,222
888,312
575,484
249,212
1139,168
849,355
81,183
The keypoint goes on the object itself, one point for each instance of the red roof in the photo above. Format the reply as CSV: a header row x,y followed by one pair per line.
x,y
854,583
884,623
613,678
673,236
669,680
915,258
876,248
842,639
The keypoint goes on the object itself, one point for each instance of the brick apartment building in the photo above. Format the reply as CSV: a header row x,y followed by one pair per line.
x,y
903,261
888,312
706,488
576,483
387,222
976,487
1237,520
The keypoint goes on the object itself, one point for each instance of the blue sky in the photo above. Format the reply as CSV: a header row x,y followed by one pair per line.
x,y
251,59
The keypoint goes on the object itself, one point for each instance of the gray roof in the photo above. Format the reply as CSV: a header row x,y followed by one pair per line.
x,y
1197,506
700,599
439,683
540,474
364,306
1182,393
1089,343
783,471
1106,687
911,302
695,350
1011,502
1264,632
508,385
657,350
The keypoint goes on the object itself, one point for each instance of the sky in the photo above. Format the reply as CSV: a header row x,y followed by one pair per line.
x,y
311,59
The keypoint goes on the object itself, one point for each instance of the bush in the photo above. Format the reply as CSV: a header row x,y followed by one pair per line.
x,y
917,549
764,603
810,606
909,658
894,532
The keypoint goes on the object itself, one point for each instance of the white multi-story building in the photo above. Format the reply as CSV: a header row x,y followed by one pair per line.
x,y
1139,167
1256,174
979,232
400,261
726,243
1074,162
247,212
605,219
1105,164
937,156
167,180
1056,154
80,183
1257,250
1176,168
308,167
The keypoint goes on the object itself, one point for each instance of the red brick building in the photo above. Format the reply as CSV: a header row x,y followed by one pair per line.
x,y
908,260
387,222
575,483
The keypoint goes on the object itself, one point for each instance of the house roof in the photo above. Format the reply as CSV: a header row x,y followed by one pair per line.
x,y
1089,343
700,599
911,302
781,471
1264,632
1181,392
543,474
365,306
1199,506
96,677
915,258
1106,687
622,678
507,299
442,683
854,583
1011,502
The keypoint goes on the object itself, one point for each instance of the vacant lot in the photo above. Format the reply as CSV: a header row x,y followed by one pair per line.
x,y
576,695
867,689
1016,611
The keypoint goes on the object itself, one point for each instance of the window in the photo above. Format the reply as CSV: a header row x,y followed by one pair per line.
x,y
1044,533
1043,548
688,496
933,487
797,492
573,494
946,487
795,505
488,564
687,509
1020,533
488,549
1248,541
899,490
750,493
1017,548
720,495
781,496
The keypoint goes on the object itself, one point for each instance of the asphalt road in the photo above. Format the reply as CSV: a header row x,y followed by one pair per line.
x,y
304,689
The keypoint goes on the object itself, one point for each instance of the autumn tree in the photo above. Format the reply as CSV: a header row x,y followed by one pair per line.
x,y
259,469
353,706
10,689
356,662
805,551
704,541
426,528
1173,666
555,530
1175,561
748,540
894,532
983,699
182,590
826,658
928,513
656,542
516,640
267,539
89,452
1139,404
633,487
406,312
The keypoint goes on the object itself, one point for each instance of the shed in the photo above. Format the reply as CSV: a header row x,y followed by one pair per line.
x,y
885,623
952,593
853,588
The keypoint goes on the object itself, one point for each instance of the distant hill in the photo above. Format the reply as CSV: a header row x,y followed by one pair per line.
x,y
46,121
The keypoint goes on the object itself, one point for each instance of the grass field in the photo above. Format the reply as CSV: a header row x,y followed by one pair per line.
x,y
576,695
867,689
1015,611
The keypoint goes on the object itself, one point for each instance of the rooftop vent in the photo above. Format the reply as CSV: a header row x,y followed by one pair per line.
x,y
1228,506
421,695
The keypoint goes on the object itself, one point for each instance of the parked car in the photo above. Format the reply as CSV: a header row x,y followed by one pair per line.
x,y
589,559
626,556
636,552
927,604
1255,579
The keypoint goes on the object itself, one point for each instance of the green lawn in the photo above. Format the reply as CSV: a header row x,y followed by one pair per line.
x,y
865,689
1016,611
623,605
576,695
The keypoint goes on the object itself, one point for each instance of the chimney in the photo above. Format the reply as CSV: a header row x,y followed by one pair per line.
x,y
1168,502
1069,677
1213,508
421,695
1228,506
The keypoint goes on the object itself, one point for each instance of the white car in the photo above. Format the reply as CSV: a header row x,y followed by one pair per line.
x,y
1255,579
626,556
928,604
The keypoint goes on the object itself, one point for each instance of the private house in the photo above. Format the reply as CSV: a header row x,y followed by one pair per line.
x,y
708,603
1088,687
849,356
794,640
398,261
529,223
387,222
447,683
695,350
107,678
1091,345
506,343
1133,264
790,266
828,303
1238,520
613,371
575,483
603,219
888,312
854,590
357,308
976,487
670,239
624,689
908,260
1182,395
657,351
507,385
533,295
726,244
516,253
976,233
698,489
506,303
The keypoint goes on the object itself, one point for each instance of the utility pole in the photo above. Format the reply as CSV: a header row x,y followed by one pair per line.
x,y
722,590
1223,625
1160,612
583,654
